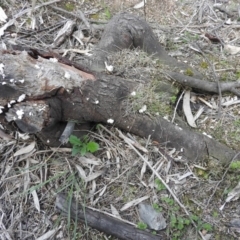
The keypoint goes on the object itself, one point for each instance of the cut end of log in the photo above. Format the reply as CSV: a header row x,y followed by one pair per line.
x,y
30,117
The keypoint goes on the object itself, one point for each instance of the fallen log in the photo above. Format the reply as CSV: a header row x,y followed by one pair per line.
x,y
103,222
41,94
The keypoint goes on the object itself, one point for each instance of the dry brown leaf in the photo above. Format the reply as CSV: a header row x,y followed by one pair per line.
x,y
25,150
133,203
187,109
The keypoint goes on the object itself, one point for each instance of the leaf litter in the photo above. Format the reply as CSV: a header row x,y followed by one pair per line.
x,y
126,168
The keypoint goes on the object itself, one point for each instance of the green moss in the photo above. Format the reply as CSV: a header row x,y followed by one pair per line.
x,y
203,65
238,74
69,7
142,226
237,123
116,190
218,132
202,173
129,194
224,76
215,214
171,45
95,16
29,20
173,99
234,135
235,165
188,37
189,72
107,14
157,207
158,96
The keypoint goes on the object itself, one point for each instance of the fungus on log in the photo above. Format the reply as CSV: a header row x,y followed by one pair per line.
x,y
54,92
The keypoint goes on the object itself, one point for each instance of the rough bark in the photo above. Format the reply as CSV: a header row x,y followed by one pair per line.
x,y
103,222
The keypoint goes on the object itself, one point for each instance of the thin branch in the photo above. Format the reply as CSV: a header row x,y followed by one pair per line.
x,y
204,85
216,80
175,109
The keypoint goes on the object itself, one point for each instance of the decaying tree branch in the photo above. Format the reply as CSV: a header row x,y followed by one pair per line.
x,y
103,222
54,92
204,85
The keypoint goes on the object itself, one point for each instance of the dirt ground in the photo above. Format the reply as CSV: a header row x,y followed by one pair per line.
x,y
31,174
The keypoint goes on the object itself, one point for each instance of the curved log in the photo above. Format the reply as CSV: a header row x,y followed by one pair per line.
x,y
128,31
40,94
204,85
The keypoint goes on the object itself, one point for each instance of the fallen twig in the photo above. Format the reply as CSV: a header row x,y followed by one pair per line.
x,y
204,85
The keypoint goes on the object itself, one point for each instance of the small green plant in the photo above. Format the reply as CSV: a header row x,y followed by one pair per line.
x,y
202,173
238,74
188,37
157,207
224,77
237,123
226,191
215,214
203,65
177,224
159,185
168,200
142,225
200,224
107,13
189,72
173,99
82,146
194,218
191,36
207,227
235,165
